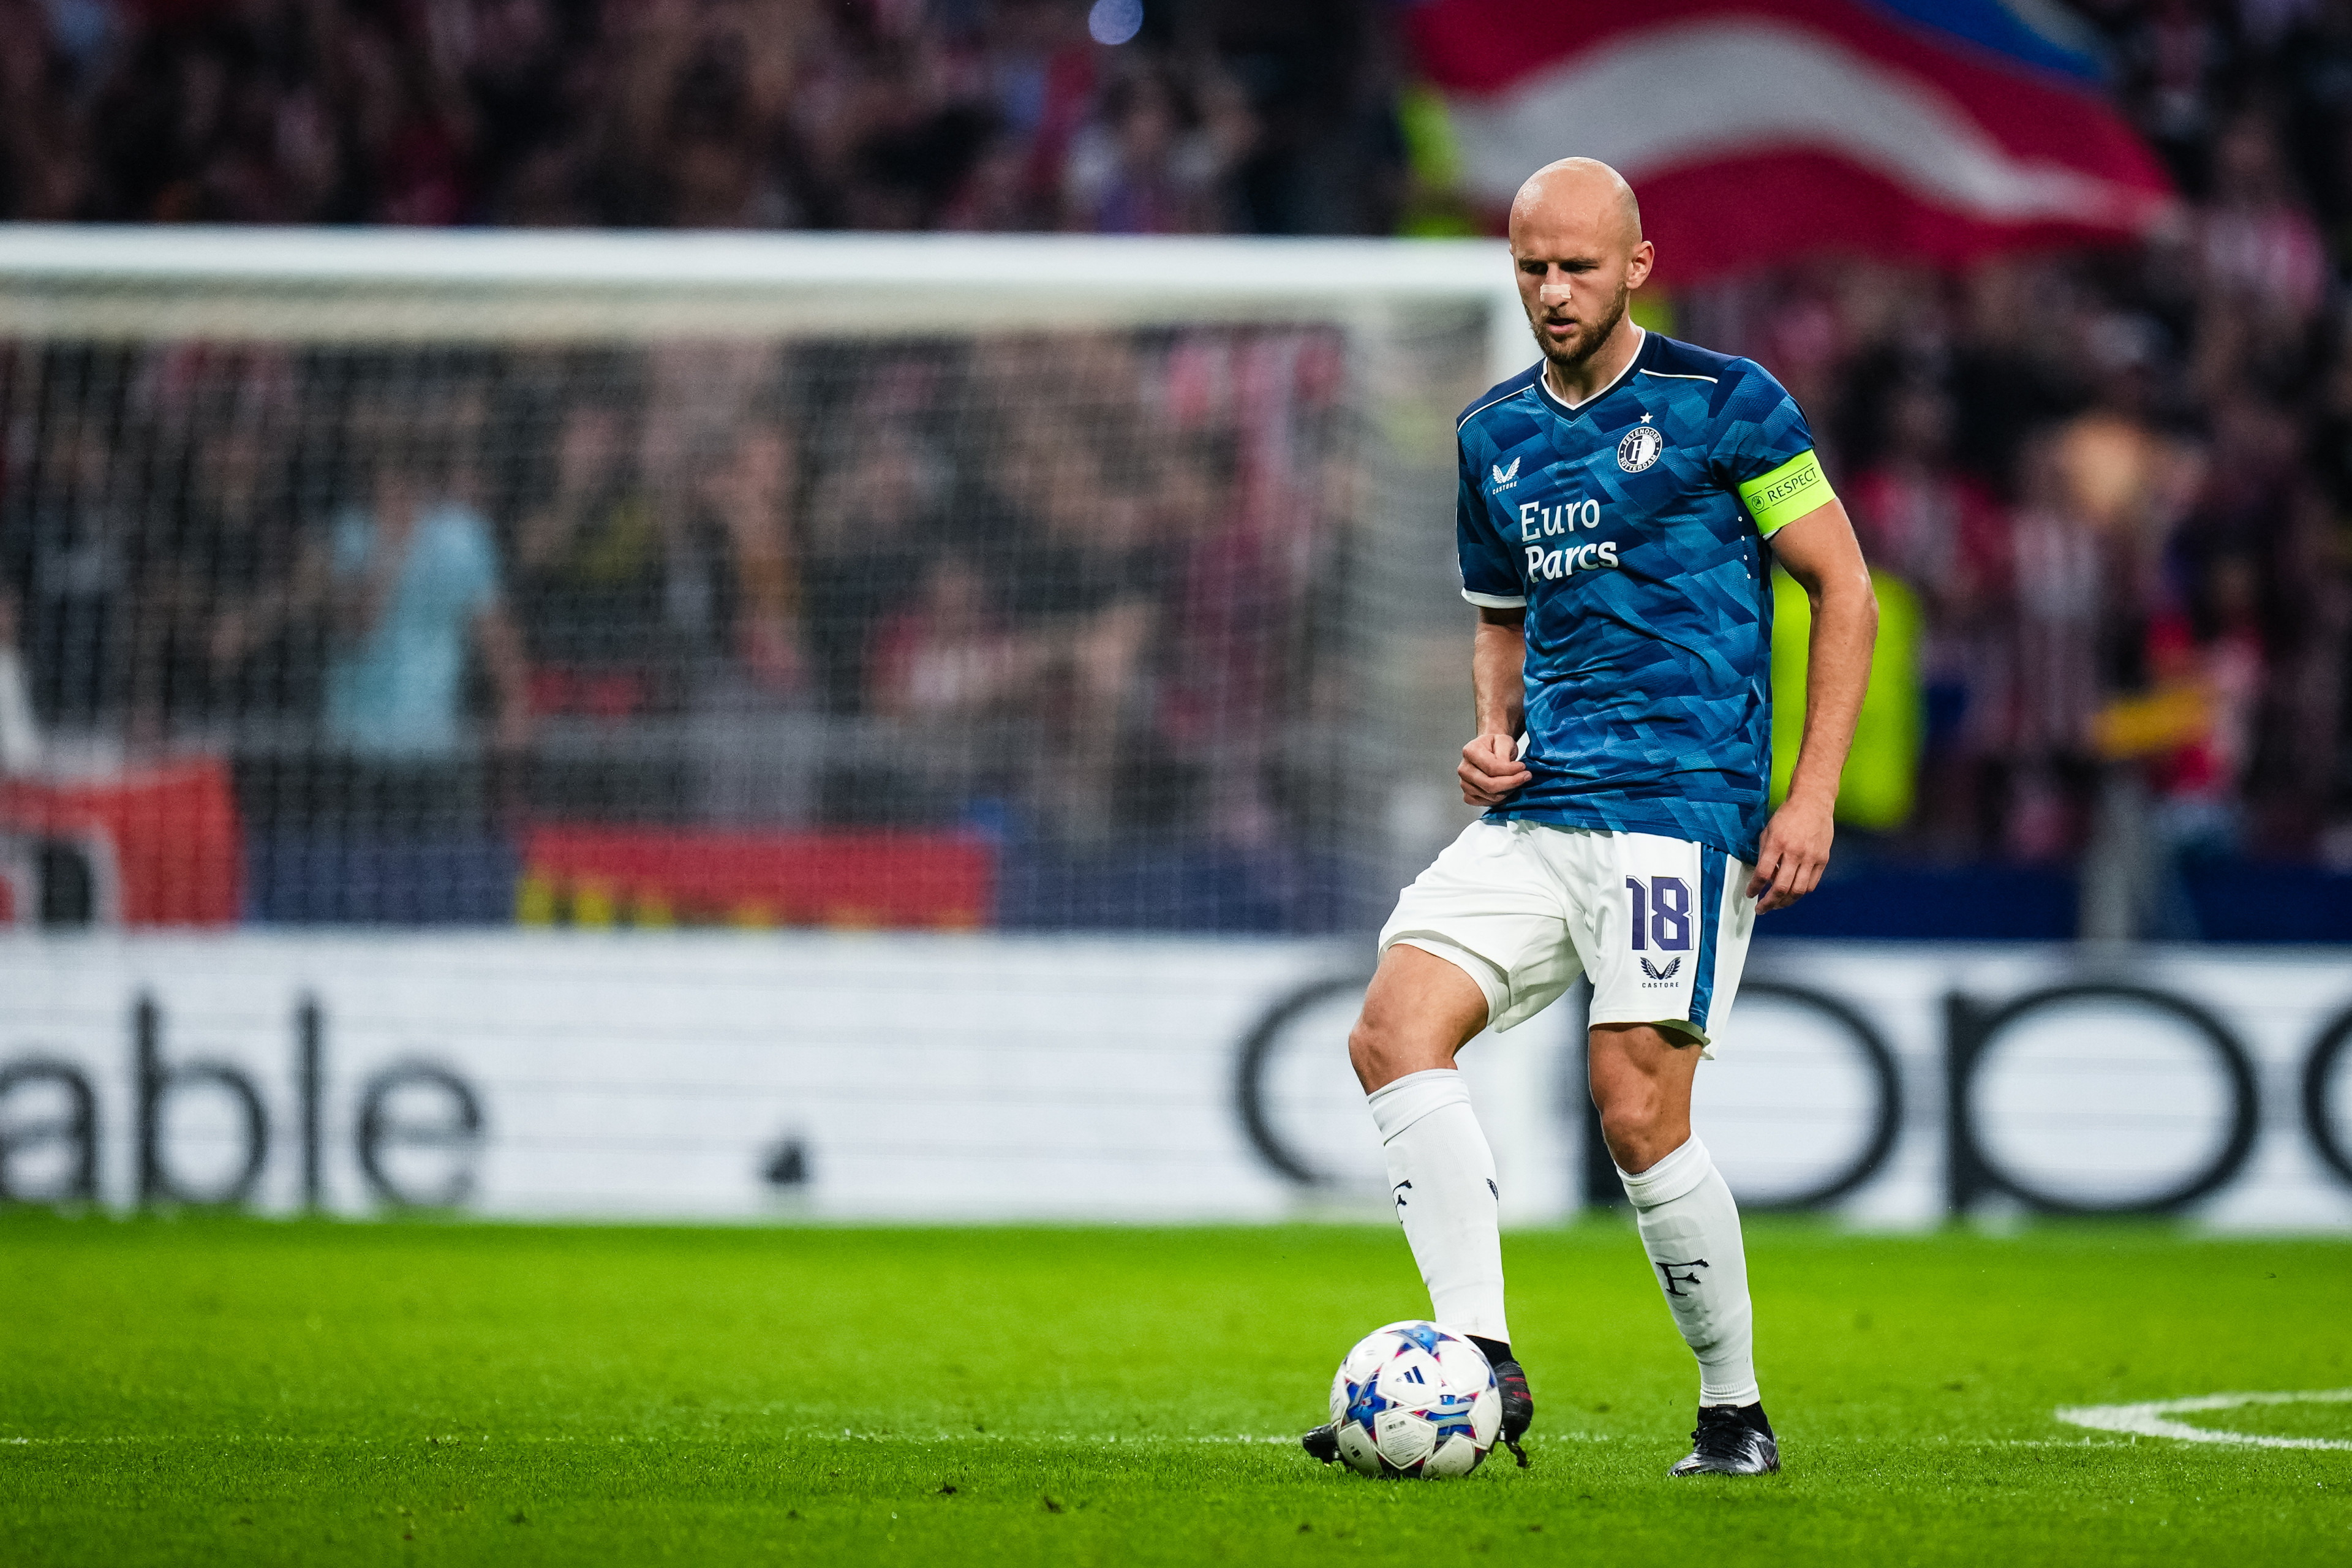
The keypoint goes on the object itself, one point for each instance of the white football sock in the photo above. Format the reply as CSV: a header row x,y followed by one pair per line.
x,y
1690,1228
1443,1176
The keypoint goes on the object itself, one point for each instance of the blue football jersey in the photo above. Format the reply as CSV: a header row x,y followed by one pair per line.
x,y
1630,527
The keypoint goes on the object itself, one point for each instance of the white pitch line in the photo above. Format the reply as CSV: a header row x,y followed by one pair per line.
x,y
1104,1439
2151,1419
1131,1439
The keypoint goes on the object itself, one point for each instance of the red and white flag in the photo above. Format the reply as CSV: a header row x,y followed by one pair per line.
x,y
1926,130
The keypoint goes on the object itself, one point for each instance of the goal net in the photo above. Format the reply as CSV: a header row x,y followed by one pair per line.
x,y
657,580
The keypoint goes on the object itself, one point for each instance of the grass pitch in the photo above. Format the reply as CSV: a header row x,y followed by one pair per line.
x,y
215,1390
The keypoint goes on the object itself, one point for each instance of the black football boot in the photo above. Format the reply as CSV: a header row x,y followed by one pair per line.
x,y
1731,1440
1518,1406
1519,1414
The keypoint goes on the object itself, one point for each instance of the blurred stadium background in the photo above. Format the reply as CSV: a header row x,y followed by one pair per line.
x,y
901,685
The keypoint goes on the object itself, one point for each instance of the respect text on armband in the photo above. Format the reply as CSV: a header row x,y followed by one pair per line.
x,y
1803,480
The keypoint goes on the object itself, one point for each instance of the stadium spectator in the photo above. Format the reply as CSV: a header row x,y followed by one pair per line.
x,y
213,641
416,589
2179,58
1937,530
650,543
2259,248
751,592
2195,726
1157,159
45,165
591,567
871,521
71,548
2059,576
949,657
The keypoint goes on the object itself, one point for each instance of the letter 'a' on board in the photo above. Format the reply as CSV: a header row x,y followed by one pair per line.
x,y
1787,493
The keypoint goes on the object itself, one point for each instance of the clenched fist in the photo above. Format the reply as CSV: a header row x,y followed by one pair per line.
x,y
1491,769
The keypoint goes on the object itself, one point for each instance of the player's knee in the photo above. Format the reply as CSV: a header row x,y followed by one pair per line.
x,y
1633,1123
1371,1049
1383,1048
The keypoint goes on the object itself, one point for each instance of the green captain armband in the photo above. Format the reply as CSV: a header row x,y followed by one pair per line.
x,y
1787,493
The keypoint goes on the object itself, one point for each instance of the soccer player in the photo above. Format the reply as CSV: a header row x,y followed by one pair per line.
x,y
1615,503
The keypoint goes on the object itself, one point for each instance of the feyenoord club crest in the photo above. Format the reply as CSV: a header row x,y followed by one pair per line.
x,y
1640,448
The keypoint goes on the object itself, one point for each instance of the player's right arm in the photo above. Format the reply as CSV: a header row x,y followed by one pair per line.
x,y
1490,767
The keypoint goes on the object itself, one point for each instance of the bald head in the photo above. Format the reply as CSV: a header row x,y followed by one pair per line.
x,y
1583,190
1576,242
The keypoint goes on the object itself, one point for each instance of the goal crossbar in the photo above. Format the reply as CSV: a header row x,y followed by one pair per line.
x,y
394,285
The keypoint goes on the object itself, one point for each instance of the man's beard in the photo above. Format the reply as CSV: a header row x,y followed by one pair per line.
x,y
1590,342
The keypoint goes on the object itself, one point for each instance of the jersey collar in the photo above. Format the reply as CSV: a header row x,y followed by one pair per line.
x,y
1568,410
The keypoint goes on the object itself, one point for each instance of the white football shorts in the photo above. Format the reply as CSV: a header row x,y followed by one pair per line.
x,y
1523,908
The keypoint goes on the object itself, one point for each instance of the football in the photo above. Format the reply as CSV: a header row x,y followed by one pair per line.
x,y
1413,1400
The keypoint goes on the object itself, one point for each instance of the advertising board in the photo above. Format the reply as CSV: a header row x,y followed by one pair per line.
x,y
952,1077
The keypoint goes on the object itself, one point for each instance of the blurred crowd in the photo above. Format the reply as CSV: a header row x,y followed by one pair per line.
x,y
1055,583
867,114
2114,490
2109,495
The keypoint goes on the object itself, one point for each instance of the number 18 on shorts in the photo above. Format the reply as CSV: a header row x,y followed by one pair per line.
x,y
1661,925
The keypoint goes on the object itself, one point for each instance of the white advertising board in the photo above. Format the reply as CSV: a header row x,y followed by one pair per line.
x,y
743,1076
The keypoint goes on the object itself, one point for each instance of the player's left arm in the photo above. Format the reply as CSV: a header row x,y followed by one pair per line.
x,y
1819,549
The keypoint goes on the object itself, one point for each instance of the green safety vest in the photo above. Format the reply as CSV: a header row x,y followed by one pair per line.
x,y
1882,772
